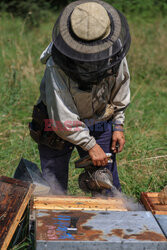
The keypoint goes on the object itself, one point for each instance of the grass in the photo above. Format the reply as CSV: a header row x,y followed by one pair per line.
x,y
146,117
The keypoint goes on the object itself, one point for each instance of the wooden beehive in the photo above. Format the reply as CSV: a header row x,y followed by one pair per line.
x,y
152,203
95,228
14,197
78,203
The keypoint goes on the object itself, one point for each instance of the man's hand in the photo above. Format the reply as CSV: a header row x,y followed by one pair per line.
x,y
118,139
99,158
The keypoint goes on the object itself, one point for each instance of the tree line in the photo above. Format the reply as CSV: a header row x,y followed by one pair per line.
x,y
35,10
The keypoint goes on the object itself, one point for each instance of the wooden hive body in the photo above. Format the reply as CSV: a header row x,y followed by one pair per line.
x,y
152,203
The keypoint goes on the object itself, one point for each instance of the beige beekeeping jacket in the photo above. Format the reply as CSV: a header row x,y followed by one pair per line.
x,y
73,107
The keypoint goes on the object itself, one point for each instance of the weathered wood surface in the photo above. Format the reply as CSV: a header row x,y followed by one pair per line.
x,y
78,203
152,203
14,197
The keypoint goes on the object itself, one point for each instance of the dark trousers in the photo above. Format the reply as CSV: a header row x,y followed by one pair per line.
x,y
55,163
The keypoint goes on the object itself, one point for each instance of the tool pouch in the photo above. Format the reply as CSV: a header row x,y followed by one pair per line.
x,y
36,127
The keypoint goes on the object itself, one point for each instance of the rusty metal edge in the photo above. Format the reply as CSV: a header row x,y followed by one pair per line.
x,y
80,245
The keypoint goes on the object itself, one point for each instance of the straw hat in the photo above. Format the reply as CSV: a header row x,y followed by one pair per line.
x,y
90,21
89,37
87,27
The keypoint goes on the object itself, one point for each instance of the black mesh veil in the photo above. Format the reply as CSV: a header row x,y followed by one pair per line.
x,y
90,61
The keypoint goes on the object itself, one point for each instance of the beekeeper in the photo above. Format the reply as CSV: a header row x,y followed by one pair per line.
x,y
84,91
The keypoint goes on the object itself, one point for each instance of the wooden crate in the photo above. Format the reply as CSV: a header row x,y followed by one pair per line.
x,y
14,197
78,203
152,203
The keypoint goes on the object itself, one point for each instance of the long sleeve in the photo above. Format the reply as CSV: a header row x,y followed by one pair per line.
x,y
120,96
62,110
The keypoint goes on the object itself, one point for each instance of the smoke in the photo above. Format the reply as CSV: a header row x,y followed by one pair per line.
x,y
40,189
53,187
129,202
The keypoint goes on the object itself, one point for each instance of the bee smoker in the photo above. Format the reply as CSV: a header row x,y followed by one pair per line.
x,y
94,179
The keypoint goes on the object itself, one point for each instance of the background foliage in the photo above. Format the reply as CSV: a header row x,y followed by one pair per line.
x,y
25,28
35,11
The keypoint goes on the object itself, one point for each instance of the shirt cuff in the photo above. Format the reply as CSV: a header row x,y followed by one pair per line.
x,y
89,145
119,118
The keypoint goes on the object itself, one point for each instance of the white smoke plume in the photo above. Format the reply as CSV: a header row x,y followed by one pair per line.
x,y
129,202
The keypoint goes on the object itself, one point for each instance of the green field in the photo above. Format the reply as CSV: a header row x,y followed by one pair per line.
x,y
146,117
